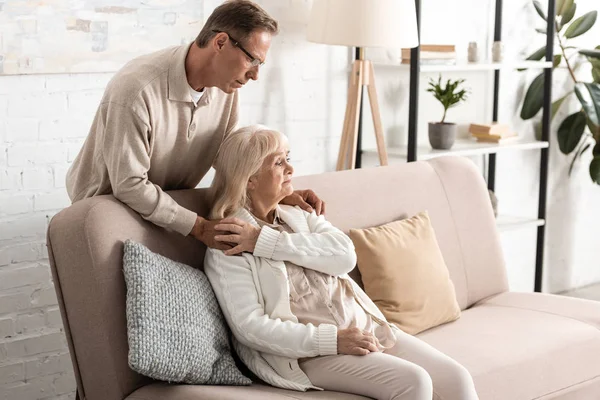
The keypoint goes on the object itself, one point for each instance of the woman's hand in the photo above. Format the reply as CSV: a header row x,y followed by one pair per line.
x,y
243,235
354,341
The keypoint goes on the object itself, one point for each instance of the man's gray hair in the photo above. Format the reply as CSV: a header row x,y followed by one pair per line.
x,y
239,18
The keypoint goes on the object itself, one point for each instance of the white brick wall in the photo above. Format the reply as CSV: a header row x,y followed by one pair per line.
x,y
43,122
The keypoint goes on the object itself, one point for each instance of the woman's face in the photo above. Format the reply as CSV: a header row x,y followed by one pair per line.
x,y
273,182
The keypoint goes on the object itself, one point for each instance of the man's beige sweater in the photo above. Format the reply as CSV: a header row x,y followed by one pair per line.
x,y
148,137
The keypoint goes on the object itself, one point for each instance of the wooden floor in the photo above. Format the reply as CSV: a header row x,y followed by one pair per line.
x,y
591,292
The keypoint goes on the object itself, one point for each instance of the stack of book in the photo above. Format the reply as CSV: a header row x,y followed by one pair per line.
x,y
433,54
492,133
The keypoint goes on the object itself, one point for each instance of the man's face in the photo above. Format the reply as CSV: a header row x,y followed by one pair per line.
x,y
238,62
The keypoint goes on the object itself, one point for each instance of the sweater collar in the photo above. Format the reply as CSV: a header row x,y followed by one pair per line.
x,y
292,216
246,216
178,87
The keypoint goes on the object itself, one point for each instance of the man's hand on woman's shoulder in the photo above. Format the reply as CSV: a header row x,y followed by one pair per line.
x,y
243,235
306,200
205,231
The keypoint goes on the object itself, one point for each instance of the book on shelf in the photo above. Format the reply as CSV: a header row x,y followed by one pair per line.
x,y
439,48
427,55
432,61
495,138
432,54
492,133
494,129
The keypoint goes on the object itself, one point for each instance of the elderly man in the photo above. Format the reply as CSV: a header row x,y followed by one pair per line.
x,y
164,116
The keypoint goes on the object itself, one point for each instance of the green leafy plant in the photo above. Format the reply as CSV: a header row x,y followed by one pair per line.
x,y
578,131
449,95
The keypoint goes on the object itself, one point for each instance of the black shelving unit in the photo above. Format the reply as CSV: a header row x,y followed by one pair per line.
x,y
546,120
412,154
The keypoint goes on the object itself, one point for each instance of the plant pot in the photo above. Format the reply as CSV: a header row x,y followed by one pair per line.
x,y
442,135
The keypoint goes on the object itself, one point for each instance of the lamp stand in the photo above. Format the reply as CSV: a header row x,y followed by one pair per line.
x,y
362,75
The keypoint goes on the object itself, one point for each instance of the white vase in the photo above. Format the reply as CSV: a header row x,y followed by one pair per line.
x,y
473,52
497,52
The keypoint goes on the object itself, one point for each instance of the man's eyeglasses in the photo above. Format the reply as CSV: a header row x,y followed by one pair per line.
x,y
255,62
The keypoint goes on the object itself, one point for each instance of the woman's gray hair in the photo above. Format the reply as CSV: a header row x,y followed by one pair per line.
x,y
240,157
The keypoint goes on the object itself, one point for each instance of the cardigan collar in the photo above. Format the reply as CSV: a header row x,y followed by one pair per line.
x,y
295,220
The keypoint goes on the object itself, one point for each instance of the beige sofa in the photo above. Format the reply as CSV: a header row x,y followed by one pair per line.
x,y
516,345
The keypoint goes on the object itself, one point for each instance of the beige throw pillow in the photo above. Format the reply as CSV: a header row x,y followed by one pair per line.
x,y
404,273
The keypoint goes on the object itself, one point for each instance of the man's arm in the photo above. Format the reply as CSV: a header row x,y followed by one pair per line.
x,y
126,149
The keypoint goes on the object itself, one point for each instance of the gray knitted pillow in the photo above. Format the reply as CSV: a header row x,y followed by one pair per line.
x,y
175,328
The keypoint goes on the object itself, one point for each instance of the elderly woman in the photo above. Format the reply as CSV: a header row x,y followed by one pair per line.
x,y
299,321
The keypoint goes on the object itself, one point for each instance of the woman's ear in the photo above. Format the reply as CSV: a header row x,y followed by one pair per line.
x,y
251,183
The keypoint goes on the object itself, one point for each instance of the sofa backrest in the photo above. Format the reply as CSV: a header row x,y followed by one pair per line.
x,y
85,243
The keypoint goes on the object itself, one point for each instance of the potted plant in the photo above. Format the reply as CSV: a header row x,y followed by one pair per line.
x,y
442,134
580,130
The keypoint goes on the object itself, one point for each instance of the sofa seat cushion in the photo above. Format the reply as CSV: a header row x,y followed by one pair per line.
x,y
526,346
257,391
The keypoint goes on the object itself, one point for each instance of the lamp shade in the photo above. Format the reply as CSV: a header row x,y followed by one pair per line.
x,y
364,23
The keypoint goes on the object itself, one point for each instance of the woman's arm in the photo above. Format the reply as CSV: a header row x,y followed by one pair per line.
x,y
234,287
325,249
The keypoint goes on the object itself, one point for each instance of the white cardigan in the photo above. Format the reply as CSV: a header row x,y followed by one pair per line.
x,y
252,290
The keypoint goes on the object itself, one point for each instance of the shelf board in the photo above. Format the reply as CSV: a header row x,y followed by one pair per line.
x,y
462,147
464,66
507,223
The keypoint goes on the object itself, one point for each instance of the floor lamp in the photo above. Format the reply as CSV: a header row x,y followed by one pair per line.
x,y
362,23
